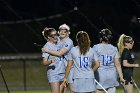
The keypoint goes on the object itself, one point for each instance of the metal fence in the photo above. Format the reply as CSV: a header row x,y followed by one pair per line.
x,y
22,72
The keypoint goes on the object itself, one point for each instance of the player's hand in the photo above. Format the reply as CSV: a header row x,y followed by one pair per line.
x,y
122,81
64,83
137,65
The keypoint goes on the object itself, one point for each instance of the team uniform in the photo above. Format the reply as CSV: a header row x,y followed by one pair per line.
x,y
83,76
127,71
106,73
55,70
68,44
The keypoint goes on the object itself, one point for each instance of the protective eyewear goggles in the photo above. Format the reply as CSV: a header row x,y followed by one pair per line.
x,y
53,35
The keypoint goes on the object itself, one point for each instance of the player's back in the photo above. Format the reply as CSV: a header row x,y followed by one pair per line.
x,y
106,54
82,63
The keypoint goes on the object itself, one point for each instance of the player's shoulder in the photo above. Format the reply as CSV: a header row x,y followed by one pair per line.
x,y
69,40
114,47
97,46
74,48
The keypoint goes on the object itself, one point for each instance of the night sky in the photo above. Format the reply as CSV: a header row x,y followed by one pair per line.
x,y
22,21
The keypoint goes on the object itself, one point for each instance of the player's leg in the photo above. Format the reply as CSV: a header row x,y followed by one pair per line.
x,y
63,89
55,87
129,87
71,87
70,80
124,88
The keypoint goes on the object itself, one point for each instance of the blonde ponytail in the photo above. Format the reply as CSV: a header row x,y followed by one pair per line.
x,y
121,44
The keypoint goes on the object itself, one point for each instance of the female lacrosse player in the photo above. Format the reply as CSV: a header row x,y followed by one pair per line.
x,y
82,57
55,68
109,63
125,44
64,45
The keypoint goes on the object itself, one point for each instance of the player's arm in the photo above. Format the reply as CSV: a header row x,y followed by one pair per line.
x,y
119,69
61,52
96,65
96,62
70,62
47,61
126,64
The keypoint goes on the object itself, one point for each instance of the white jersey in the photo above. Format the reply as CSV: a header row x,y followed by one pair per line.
x,y
82,63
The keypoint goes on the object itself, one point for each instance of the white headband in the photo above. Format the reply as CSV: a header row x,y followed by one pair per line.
x,y
64,26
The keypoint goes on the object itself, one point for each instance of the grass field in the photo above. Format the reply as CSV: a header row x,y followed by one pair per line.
x,y
120,90
44,91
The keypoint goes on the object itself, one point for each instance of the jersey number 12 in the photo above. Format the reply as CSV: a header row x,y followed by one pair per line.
x,y
106,60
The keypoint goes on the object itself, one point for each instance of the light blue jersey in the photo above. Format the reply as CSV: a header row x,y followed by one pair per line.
x,y
55,70
82,63
106,73
106,54
67,44
83,75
